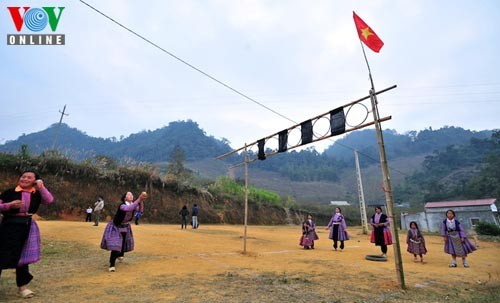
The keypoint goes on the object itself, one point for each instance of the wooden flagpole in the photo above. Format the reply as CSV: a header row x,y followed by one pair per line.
x,y
387,180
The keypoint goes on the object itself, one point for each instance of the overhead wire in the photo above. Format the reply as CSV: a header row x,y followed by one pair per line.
x,y
213,78
185,62
269,108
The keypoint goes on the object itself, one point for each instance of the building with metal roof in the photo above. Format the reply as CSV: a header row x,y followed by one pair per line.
x,y
468,212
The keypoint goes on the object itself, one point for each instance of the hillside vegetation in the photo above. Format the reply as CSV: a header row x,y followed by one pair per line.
x,y
77,185
424,165
459,172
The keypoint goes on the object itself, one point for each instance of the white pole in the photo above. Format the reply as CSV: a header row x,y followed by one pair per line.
x,y
246,201
362,205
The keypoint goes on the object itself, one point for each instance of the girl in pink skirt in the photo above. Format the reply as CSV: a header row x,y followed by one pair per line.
x,y
416,242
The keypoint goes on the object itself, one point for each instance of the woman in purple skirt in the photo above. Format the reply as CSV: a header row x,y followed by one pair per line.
x,y
308,233
455,239
19,233
118,237
338,229
381,234
416,242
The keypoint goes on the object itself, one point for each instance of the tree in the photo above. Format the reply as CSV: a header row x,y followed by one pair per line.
x,y
458,172
487,183
103,162
176,168
176,164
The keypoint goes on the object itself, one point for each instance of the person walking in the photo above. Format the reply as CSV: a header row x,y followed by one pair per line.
x,y
381,234
98,207
455,239
338,229
88,217
194,213
416,242
309,234
19,233
118,237
184,212
137,216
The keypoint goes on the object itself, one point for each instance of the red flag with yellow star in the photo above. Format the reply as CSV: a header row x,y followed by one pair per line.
x,y
367,35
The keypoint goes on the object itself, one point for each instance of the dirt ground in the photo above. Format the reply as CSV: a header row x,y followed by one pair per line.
x,y
207,265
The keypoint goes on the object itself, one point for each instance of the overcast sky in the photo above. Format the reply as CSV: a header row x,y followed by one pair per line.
x,y
298,58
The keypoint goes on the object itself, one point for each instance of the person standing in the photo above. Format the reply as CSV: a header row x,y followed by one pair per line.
x,y
381,234
184,212
194,214
137,216
416,242
19,233
88,218
98,207
455,239
309,234
338,229
118,237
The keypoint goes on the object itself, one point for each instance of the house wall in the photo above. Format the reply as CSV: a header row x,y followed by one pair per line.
x,y
432,218
418,217
435,216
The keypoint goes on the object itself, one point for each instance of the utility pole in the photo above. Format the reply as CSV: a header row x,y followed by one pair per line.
x,y
246,201
336,119
59,126
362,205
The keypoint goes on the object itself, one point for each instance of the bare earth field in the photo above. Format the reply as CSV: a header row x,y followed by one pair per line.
x,y
207,265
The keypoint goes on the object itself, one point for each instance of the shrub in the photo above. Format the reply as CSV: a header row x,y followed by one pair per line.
x,y
227,187
485,228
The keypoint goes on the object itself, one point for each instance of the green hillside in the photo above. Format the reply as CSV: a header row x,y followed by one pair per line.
x,y
421,162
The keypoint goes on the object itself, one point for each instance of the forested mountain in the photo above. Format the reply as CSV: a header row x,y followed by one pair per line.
x,y
304,166
428,164
70,141
157,145
146,146
309,165
457,172
401,145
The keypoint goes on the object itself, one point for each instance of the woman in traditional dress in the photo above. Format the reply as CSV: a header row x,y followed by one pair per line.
x,y
416,242
118,237
338,229
308,233
381,234
455,239
19,233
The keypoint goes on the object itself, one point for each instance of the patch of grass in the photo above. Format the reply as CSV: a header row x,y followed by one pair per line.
x,y
219,206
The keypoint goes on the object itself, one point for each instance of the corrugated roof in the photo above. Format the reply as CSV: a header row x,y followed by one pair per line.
x,y
480,202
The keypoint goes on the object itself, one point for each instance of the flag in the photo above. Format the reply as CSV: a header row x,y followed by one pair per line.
x,y
367,35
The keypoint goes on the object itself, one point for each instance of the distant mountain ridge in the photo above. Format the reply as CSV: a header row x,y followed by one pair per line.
x,y
397,145
306,165
306,175
145,146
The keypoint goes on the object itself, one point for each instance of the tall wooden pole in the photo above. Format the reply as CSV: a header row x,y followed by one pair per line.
x,y
386,177
246,201
387,189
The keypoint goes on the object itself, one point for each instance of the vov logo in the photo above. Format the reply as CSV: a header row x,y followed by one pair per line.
x,y
35,19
